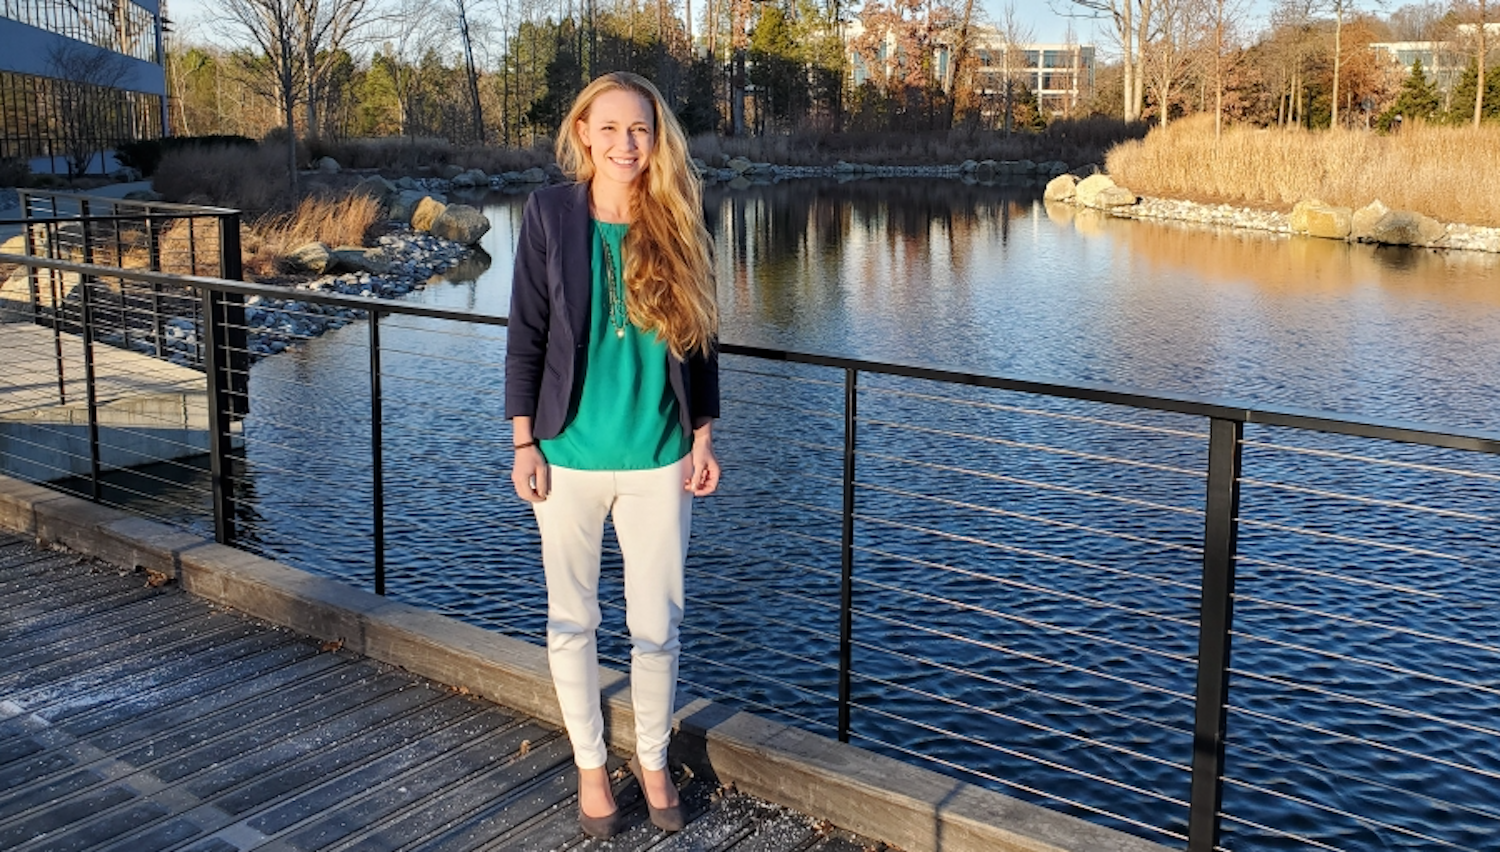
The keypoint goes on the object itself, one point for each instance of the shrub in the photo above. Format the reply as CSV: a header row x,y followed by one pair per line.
x,y
144,155
251,179
14,172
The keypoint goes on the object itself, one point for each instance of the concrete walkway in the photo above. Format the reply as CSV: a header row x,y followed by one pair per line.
x,y
113,190
136,717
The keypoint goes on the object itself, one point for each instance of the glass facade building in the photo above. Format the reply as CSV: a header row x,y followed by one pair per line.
x,y
77,77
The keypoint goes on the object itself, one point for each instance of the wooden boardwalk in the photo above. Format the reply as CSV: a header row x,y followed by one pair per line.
x,y
140,718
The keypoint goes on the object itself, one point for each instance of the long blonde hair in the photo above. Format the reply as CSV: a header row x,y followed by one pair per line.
x,y
669,274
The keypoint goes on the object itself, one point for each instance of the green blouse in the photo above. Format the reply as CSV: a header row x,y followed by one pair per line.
x,y
624,414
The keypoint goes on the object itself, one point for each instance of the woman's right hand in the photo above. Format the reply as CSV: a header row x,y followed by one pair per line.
x,y
530,475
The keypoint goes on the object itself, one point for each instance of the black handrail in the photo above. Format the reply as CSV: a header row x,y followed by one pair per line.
x,y
1426,434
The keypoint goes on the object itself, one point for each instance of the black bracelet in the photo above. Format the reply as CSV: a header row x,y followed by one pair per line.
x,y
534,442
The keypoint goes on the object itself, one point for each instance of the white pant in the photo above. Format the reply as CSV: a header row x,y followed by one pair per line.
x,y
653,515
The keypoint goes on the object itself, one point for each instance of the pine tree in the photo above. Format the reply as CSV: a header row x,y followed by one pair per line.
x,y
1462,110
1418,99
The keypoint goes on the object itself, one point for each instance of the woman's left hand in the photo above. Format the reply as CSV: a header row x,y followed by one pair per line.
x,y
704,479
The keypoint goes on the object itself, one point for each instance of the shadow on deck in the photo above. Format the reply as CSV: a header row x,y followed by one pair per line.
x,y
141,718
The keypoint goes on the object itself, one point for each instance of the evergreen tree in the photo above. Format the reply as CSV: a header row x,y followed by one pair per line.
x,y
1419,98
774,65
1462,99
564,82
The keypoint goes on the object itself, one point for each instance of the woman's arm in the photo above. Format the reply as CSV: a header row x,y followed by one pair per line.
x,y
705,476
529,472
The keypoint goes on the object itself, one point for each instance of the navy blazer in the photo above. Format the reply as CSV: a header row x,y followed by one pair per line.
x,y
549,320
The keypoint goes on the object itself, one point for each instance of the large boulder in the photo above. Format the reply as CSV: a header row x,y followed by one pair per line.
x,y
449,171
1086,192
405,202
1060,188
1115,196
472,178
533,175
427,212
1100,192
358,259
460,223
1398,227
327,165
1362,222
311,257
739,165
407,182
1316,219
376,187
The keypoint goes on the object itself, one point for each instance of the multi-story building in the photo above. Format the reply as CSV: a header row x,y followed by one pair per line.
x,y
78,77
1442,61
1061,75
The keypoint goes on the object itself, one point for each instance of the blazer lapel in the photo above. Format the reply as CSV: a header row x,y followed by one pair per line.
x,y
577,254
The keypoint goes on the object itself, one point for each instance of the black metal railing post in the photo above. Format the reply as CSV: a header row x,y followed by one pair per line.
x,y
236,362
85,288
215,369
153,252
55,285
1215,620
377,456
846,548
33,289
217,360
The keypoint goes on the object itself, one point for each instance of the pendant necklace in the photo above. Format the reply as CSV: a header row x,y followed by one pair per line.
x,y
617,313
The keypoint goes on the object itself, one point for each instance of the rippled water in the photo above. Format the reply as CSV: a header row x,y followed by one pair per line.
x,y
1026,568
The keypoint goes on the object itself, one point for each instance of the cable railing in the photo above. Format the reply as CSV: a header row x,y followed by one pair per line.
x,y
1033,587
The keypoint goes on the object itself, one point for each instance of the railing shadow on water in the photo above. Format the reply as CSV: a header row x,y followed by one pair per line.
x,y
1209,624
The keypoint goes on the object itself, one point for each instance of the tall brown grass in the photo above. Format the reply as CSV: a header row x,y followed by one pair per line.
x,y
335,220
1435,170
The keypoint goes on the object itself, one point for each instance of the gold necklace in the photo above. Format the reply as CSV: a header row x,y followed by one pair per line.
x,y
618,316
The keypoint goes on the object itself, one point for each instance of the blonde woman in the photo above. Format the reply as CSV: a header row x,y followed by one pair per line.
x,y
612,386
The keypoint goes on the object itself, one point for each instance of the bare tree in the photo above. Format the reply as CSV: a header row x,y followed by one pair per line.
x,y
463,8
1014,33
1481,49
1341,10
1417,22
1174,46
273,26
323,29
1134,22
88,108
411,29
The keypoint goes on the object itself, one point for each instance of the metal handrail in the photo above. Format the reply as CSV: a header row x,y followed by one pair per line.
x,y
1425,434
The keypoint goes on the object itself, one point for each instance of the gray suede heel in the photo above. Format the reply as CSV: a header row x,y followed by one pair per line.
x,y
667,819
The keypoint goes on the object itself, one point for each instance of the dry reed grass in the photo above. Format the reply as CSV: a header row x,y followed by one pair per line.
x,y
190,246
1436,170
335,220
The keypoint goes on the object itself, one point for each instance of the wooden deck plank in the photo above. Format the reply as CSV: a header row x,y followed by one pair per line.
x,y
135,719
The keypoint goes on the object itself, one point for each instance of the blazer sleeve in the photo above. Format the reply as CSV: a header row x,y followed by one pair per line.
x,y
703,381
530,315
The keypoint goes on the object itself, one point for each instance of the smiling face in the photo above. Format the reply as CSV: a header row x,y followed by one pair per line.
x,y
620,133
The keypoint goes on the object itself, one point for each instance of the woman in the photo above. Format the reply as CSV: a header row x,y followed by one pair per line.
x,y
612,385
